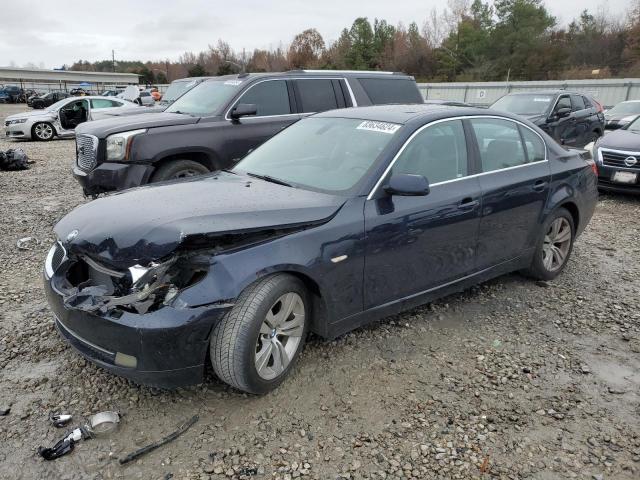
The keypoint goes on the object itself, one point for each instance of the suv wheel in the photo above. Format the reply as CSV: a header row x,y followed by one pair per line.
x,y
256,344
554,247
179,169
42,131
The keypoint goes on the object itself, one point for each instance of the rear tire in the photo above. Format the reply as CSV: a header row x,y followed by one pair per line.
x,y
554,246
179,169
255,346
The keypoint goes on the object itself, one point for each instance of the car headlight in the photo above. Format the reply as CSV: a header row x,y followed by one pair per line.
x,y
119,144
19,120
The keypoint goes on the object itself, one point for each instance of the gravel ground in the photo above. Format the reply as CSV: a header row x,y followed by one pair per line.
x,y
510,379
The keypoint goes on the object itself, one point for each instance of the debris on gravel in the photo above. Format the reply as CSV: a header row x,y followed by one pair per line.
x,y
510,379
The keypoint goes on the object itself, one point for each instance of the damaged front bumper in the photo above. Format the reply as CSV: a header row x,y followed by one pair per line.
x,y
109,177
165,347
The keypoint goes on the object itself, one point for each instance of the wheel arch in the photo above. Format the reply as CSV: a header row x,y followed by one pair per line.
x,y
206,159
572,208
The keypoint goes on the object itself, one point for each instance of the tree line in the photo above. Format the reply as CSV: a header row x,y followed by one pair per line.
x,y
467,41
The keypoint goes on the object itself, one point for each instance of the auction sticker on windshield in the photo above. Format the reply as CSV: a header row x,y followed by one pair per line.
x,y
383,127
541,99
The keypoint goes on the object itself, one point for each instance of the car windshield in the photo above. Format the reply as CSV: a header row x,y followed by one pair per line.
x,y
524,104
176,89
625,108
205,99
323,154
634,126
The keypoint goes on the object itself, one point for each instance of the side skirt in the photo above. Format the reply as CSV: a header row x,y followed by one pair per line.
x,y
392,308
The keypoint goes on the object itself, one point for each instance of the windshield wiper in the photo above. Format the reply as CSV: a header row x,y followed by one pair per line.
x,y
269,179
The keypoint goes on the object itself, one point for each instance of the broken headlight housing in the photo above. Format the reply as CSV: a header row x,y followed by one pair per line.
x,y
119,144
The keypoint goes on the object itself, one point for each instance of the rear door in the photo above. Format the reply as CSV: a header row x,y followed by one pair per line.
x,y
318,95
515,185
276,111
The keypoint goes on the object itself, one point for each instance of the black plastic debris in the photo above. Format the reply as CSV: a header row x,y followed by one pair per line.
x,y
169,438
4,411
14,159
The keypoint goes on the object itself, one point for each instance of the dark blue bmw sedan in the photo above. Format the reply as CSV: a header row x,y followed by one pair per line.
x,y
341,219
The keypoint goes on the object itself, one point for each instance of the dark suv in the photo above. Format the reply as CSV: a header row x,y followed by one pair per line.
x,y
572,119
216,123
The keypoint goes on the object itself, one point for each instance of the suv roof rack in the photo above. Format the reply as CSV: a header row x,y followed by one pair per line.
x,y
344,71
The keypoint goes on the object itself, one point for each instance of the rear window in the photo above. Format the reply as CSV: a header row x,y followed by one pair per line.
x,y
316,95
391,90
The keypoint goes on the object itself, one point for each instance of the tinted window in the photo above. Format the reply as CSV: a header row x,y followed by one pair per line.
x,y
587,102
316,95
533,143
102,103
438,153
577,103
271,98
499,142
144,94
563,102
390,90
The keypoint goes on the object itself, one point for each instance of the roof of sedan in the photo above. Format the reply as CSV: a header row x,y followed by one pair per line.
x,y
404,113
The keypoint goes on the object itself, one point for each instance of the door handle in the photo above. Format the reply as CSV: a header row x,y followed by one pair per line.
x,y
540,185
468,204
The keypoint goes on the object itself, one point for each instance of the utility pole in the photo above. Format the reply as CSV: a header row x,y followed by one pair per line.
x,y
113,60
508,74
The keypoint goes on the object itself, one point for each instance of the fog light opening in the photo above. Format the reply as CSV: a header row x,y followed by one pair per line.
x,y
124,360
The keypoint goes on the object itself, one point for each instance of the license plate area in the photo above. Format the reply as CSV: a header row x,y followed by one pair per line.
x,y
624,177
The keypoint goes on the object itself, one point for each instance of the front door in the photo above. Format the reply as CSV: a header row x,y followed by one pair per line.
x,y
274,113
418,243
515,187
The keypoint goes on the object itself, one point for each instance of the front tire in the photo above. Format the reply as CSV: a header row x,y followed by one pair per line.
x,y
179,169
554,246
42,131
254,347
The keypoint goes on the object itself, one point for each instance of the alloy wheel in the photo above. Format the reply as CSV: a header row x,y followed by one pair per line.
x,y
43,131
557,243
280,336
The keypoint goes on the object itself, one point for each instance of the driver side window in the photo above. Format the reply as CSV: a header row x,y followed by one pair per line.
x,y
563,102
271,97
438,153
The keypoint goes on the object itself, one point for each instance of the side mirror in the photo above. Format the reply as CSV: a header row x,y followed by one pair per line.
x,y
243,110
405,184
563,112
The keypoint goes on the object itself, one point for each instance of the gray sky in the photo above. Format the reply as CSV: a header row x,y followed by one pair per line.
x,y
51,34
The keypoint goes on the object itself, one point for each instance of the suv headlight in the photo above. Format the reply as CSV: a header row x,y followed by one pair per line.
x,y
119,144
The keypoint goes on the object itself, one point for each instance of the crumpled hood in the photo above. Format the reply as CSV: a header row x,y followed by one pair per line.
x,y
621,140
148,223
104,128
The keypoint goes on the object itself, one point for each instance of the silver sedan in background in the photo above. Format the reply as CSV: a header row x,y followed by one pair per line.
x,y
61,118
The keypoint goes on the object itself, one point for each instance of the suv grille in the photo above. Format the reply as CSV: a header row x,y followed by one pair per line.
x,y
86,151
617,159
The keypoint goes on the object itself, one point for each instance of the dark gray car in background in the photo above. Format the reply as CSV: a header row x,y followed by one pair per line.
x,y
570,118
216,123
